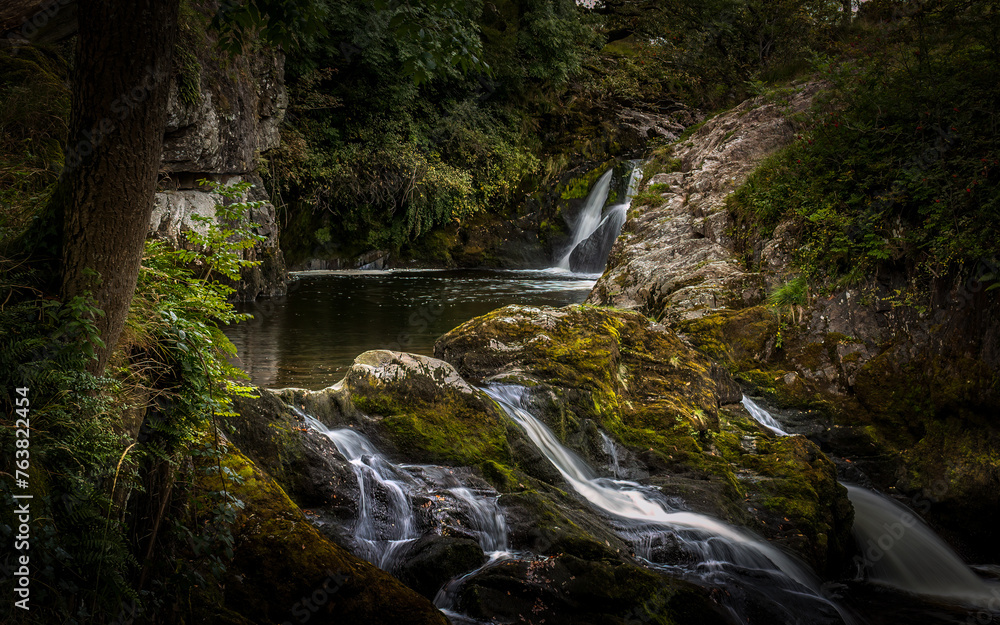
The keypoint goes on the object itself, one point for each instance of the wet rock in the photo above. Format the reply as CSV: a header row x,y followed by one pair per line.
x,y
280,560
671,408
589,255
566,589
433,560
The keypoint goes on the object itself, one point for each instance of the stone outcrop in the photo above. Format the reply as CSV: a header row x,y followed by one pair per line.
x,y
419,409
282,567
223,113
674,257
673,410
907,392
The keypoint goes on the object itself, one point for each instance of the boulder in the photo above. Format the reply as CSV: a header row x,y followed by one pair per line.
x,y
674,411
282,568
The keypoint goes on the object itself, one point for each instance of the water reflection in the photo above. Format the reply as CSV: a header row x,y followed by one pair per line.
x,y
308,338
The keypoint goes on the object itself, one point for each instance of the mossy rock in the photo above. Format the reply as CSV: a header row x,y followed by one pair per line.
x,y
304,462
417,408
282,568
660,398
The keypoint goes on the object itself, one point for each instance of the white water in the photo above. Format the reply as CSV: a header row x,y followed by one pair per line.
x,y
900,550
611,449
763,417
591,220
386,521
717,544
590,215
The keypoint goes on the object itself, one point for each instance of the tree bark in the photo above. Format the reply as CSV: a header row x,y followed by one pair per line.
x,y
123,63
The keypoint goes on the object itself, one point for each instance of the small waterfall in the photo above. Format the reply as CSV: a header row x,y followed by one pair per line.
x,y
591,254
486,518
387,521
645,519
899,550
590,215
611,449
763,417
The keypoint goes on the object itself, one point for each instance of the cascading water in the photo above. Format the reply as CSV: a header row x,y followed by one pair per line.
x,y
763,417
899,550
589,217
486,518
591,254
386,521
611,449
642,516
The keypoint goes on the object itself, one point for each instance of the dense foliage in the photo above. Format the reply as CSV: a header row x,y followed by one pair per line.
x,y
92,450
898,167
388,139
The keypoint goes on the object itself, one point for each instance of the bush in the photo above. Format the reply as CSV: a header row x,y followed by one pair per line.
x,y
898,168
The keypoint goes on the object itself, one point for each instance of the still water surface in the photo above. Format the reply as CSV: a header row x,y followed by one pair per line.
x,y
310,337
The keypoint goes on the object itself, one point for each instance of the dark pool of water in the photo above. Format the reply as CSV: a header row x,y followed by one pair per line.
x,y
310,337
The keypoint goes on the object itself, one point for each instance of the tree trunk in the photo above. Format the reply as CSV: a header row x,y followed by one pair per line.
x,y
123,63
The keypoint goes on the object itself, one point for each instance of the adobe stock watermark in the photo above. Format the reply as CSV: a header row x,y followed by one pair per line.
x,y
25,33
419,322
304,609
988,613
875,549
122,108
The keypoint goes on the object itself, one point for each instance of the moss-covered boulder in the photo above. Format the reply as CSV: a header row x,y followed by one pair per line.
x,y
675,412
282,569
416,407
910,398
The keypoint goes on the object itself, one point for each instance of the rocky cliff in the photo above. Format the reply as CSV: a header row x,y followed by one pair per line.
x,y
224,112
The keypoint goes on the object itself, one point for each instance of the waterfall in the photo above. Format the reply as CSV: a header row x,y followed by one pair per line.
x,y
899,550
611,449
486,518
643,517
589,217
590,255
763,417
387,521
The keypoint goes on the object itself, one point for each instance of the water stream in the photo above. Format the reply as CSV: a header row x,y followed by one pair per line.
x,y
589,217
899,550
596,227
387,522
724,553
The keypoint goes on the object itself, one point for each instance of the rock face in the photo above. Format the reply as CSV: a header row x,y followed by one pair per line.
x,y
590,254
419,409
909,394
222,115
280,561
674,259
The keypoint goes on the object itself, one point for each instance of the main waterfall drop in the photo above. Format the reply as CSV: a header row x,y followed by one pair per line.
x,y
597,227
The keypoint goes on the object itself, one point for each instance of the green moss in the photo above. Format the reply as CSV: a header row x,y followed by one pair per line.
x,y
280,557
579,187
